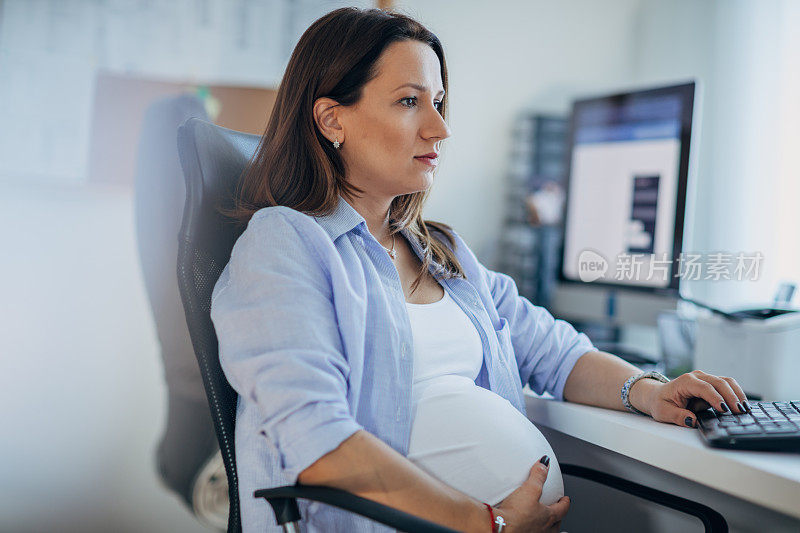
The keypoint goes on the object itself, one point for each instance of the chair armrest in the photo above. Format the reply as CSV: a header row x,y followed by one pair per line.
x,y
284,505
713,521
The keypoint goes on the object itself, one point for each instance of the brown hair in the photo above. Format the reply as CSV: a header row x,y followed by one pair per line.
x,y
297,167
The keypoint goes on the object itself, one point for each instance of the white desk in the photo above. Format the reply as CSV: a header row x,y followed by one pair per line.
x,y
768,480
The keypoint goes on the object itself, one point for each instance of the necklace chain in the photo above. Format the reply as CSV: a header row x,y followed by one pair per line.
x,y
391,251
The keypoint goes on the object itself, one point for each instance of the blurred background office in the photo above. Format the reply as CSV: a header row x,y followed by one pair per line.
x,y
85,381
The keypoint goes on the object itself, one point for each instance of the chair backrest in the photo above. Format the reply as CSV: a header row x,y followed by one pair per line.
x,y
188,441
213,158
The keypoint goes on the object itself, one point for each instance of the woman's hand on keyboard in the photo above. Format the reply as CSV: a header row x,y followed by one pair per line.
x,y
522,511
669,402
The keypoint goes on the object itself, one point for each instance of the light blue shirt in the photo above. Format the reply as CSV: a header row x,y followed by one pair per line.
x,y
315,337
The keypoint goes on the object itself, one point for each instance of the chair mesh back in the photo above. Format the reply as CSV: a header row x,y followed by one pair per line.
x,y
212,158
188,439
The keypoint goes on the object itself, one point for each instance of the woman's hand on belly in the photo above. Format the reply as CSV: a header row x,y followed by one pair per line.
x,y
522,511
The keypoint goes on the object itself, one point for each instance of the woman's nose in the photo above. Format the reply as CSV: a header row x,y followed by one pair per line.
x,y
445,131
436,125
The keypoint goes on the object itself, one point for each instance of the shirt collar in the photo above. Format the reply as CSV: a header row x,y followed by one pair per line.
x,y
343,219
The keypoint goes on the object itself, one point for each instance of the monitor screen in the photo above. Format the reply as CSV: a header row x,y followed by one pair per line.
x,y
626,188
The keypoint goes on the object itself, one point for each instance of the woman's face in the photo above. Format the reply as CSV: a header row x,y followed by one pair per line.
x,y
393,124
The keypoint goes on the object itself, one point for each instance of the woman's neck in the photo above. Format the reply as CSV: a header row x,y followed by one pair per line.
x,y
376,214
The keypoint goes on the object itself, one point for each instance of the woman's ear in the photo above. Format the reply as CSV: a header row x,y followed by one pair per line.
x,y
326,117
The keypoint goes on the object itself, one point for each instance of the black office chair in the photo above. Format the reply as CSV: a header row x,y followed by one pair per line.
x,y
213,158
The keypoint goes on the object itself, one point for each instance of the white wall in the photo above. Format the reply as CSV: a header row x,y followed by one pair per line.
x,y
215,42
82,391
746,54
753,179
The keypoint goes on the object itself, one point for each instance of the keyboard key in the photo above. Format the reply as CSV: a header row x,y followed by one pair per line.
x,y
754,428
778,429
744,430
714,431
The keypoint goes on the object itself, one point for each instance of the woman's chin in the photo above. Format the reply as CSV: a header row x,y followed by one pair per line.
x,y
411,190
421,185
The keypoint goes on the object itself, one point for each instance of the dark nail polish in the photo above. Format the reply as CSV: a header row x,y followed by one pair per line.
x,y
747,405
689,422
545,460
723,408
740,407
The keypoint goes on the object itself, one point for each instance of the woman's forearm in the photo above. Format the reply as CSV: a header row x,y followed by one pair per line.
x,y
368,467
597,377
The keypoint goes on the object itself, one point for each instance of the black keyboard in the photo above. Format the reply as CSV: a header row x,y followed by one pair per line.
x,y
769,426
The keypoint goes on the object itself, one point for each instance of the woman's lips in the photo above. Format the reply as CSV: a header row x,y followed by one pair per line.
x,y
430,161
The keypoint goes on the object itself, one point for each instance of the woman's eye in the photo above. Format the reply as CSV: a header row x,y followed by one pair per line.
x,y
413,100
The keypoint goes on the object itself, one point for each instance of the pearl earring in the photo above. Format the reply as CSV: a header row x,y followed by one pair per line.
x,y
336,144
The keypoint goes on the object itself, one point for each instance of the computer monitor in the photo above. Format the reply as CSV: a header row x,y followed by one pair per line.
x,y
627,182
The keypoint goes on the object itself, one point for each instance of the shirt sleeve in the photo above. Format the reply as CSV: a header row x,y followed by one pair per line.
x,y
279,342
546,348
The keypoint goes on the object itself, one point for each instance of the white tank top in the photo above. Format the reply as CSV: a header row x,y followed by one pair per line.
x,y
467,436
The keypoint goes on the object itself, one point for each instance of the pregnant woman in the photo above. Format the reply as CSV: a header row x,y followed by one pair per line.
x,y
370,349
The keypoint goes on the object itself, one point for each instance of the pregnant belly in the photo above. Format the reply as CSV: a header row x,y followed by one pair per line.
x,y
476,441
